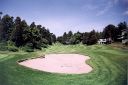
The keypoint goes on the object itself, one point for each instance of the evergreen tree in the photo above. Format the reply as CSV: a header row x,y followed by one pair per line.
x,y
69,35
17,36
119,29
92,39
64,39
53,38
109,32
32,25
85,37
6,27
59,39
24,28
33,37
78,36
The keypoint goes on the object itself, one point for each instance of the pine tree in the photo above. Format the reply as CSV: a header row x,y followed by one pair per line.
x,y
92,38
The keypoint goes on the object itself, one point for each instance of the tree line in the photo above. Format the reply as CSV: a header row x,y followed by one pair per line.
x,y
110,31
88,38
16,32
19,33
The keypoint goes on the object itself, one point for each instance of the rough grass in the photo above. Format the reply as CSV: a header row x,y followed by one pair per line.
x,y
109,64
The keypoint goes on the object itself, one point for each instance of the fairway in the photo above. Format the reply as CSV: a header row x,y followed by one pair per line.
x,y
108,63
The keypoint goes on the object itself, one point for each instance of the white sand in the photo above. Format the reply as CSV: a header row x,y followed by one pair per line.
x,y
60,63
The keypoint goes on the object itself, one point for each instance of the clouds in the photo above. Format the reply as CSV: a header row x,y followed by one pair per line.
x,y
125,1
115,1
126,13
109,4
125,7
105,9
100,7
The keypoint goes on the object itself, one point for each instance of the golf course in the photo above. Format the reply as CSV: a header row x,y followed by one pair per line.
x,y
63,42
109,66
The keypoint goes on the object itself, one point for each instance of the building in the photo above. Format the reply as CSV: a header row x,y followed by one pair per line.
x,y
125,36
102,41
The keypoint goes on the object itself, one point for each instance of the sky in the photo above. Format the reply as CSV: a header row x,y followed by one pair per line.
x,y
61,16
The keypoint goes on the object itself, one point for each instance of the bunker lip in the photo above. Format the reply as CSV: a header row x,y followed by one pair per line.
x,y
59,63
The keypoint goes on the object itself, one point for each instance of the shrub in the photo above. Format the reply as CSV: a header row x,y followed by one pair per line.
x,y
38,46
12,48
29,50
77,42
28,47
45,41
3,46
72,40
10,43
126,43
92,40
44,45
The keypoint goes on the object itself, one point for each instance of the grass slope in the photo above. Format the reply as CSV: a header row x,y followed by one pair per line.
x,y
109,66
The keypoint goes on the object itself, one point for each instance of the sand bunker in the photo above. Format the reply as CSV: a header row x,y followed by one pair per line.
x,y
60,63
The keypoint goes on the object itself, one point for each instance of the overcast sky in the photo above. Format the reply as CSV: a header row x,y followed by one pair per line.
x,y
64,15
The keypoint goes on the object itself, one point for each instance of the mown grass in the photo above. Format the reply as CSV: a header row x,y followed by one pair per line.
x,y
109,67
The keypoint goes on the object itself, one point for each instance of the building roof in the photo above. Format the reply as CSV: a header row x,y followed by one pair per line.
x,y
125,30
